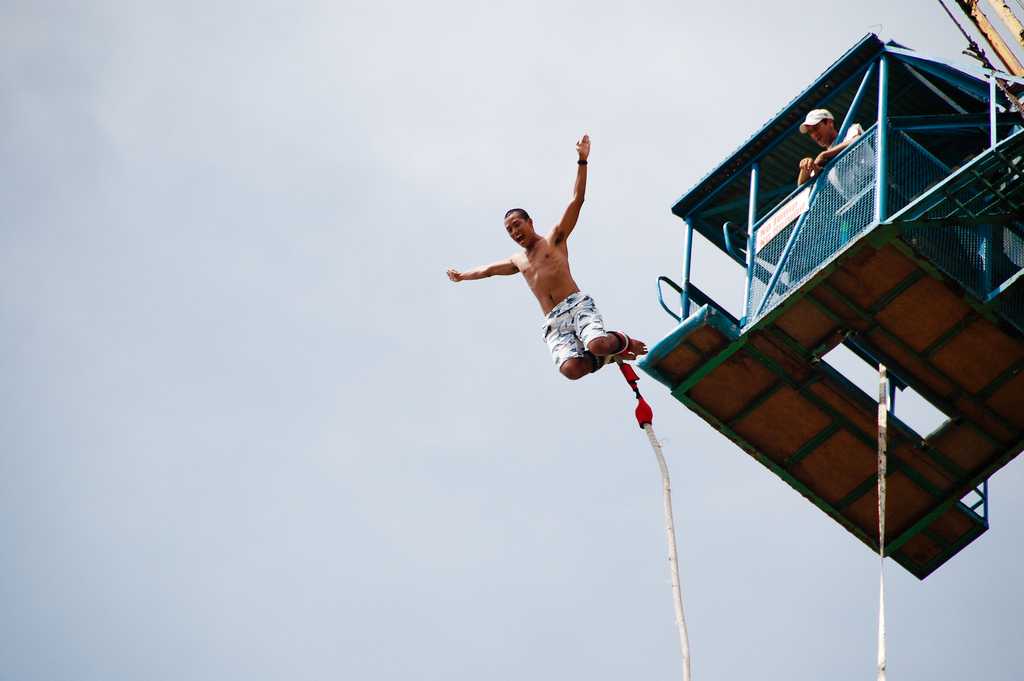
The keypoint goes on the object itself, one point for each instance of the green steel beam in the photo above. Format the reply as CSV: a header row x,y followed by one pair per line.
x,y
756,402
814,399
978,306
1005,286
951,121
961,491
837,417
913,209
812,444
934,536
860,490
834,512
943,404
981,177
1001,379
957,221
967,538
949,335
932,452
896,291
778,470
709,366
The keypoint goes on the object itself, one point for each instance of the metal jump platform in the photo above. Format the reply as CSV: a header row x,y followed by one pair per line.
x,y
908,248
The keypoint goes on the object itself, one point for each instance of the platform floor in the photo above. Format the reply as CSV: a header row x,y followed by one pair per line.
x,y
770,392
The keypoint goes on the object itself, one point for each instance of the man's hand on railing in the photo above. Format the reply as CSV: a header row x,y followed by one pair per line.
x,y
809,167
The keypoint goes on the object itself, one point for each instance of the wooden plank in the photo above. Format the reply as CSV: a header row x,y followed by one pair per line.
x,y
782,424
918,551
836,466
978,355
679,363
731,386
923,313
806,324
1008,401
964,444
906,503
869,274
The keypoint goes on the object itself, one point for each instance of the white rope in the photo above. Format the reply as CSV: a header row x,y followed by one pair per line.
x,y
883,423
673,560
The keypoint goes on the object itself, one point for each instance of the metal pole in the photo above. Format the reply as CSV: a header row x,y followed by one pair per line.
x,y
986,231
984,487
993,132
852,111
751,266
755,181
883,441
882,167
684,300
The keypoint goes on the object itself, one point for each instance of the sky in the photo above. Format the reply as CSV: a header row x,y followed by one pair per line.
x,y
251,431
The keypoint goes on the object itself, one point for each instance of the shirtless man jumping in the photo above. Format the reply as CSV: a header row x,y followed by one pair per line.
x,y
573,327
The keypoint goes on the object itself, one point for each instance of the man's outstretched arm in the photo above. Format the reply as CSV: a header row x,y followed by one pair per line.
x,y
504,267
565,226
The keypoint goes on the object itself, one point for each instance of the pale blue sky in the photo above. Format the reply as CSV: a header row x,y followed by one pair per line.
x,y
252,432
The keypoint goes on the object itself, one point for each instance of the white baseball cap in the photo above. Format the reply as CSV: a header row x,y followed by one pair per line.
x,y
815,117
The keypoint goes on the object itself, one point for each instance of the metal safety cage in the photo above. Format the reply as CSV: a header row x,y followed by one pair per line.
x,y
908,248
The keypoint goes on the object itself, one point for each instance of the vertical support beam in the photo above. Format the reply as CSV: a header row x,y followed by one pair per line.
x,y
883,445
993,133
984,487
988,274
755,182
751,266
855,104
882,157
684,297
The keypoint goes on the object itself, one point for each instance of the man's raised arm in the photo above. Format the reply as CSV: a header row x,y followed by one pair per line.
x,y
503,267
565,226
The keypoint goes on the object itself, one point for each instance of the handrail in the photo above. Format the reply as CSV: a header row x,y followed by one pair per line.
x,y
728,240
661,298
698,297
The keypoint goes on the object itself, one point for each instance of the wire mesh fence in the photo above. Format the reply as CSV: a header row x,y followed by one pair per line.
x,y
841,206
969,237
981,255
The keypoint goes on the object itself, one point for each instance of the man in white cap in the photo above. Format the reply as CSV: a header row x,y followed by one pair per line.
x,y
821,126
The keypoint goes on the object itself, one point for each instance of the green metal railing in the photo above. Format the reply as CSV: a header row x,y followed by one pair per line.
x,y
841,205
972,228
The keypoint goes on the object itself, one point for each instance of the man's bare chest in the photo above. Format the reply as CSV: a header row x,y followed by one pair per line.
x,y
543,261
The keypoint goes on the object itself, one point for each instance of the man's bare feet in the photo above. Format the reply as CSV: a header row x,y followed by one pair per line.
x,y
634,350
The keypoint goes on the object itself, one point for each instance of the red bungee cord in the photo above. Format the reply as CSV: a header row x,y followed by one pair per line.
x,y
644,414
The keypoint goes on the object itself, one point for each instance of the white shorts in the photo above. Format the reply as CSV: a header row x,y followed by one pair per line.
x,y
571,325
